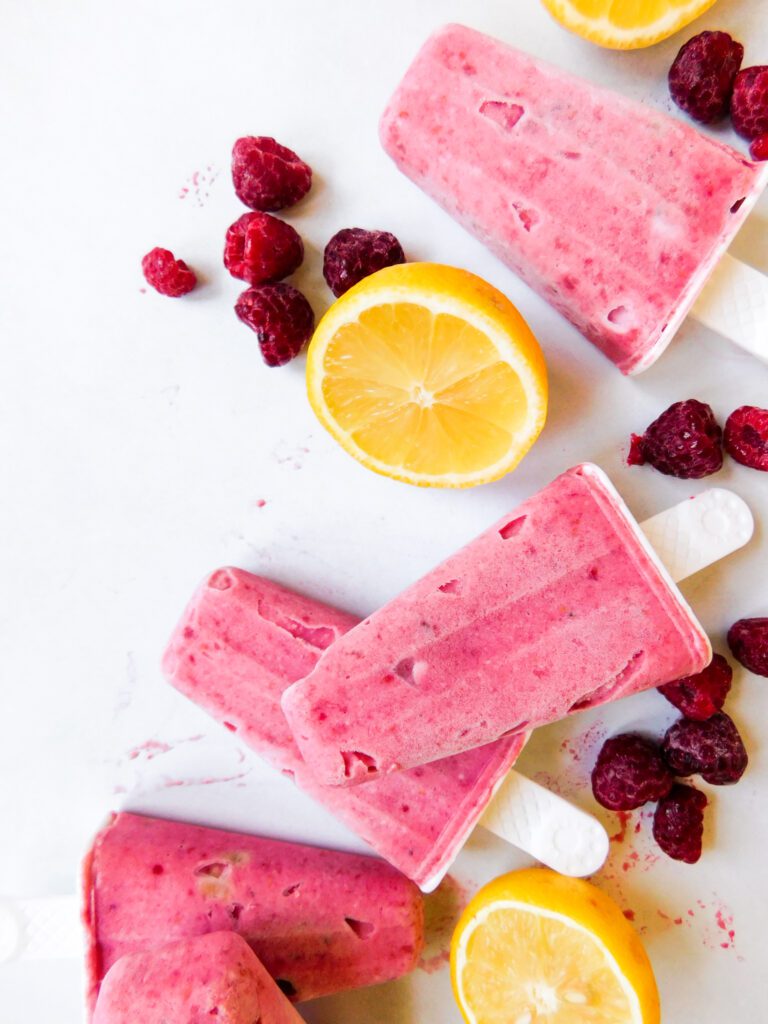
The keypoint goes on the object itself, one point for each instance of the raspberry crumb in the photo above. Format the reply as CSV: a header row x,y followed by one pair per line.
x,y
701,695
354,253
713,749
281,318
166,274
678,824
268,176
749,106
702,75
746,436
629,772
748,640
685,442
261,249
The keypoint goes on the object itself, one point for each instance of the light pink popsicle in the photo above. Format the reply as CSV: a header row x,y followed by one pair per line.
x,y
215,977
242,640
559,606
319,920
612,211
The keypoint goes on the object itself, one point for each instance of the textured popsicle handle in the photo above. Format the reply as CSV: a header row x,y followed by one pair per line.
x,y
46,928
546,826
734,303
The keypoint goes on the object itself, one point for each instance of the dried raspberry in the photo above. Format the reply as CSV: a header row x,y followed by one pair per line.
x,y
281,317
702,75
749,105
746,436
261,249
759,148
713,749
166,274
685,441
629,772
702,695
748,640
268,176
354,253
678,823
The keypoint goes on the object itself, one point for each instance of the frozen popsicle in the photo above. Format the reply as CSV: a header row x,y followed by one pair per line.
x,y
211,977
612,211
319,920
560,606
242,640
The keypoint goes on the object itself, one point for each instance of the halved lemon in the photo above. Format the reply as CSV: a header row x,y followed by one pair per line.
x,y
626,24
534,946
428,374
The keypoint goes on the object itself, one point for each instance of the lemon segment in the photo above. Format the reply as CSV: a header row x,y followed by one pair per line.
x,y
626,24
534,946
428,374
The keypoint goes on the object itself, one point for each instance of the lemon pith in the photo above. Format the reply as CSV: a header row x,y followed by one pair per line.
x,y
428,374
626,24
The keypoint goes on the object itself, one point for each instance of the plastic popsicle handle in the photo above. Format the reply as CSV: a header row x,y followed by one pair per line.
x,y
687,537
734,303
45,928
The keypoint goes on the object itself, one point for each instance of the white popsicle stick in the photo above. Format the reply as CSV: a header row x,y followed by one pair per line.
x,y
734,303
687,537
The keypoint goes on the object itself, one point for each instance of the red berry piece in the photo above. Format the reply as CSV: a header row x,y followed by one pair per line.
x,y
759,148
629,772
702,75
281,317
746,436
685,441
678,823
713,749
749,105
354,253
268,176
702,695
261,249
748,640
166,274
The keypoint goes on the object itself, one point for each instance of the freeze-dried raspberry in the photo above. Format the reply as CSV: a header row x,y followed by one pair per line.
x,y
261,249
702,75
166,274
268,176
748,640
685,441
746,436
749,105
281,317
713,749
701,695
629,772
678,823
354,253
759,148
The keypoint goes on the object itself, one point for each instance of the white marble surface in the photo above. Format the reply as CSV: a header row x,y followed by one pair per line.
x,y
139,434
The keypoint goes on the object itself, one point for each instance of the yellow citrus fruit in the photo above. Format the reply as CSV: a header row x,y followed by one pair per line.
x,y
534,946
626,24
428,374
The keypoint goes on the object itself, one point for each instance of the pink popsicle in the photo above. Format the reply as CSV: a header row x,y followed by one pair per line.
x,y
612,211
560,606
319,920
242,640
212,977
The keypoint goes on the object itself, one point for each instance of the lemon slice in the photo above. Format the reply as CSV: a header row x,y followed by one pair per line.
x,y
534,946
626,24
428,374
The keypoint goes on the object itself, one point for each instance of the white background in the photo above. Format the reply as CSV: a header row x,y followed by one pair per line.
x,y
139,433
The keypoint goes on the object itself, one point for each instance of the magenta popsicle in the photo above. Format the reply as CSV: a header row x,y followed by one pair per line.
x,y
613,212
215,976
319,920
560,606
242,640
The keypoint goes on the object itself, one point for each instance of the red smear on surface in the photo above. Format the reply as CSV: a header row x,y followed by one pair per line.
x,y
629,914
198,185
624,819
260,503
